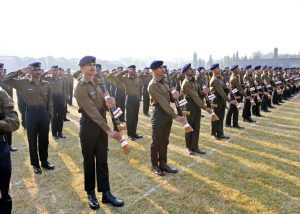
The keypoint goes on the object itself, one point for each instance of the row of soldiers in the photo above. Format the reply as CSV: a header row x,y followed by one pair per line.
x,y
189,90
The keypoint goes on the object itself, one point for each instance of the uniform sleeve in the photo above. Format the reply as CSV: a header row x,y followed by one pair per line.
x,y
10,79
77,74
10,121
88,106
50,102
190,91
154,91
121,77
238,86
218,88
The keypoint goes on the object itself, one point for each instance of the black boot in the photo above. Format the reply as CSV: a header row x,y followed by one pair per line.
x,y
5,206
93,202
109,198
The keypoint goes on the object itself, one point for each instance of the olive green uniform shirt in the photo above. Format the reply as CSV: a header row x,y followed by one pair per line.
x,y
33,95
159,92
191,88
9,121
90,100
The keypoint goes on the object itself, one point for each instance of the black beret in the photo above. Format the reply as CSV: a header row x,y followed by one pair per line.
x,y
1,65
200,68
54,66
286,69
146,68
132,66
264,67
120,67
98,66
234,67
186,67
164,66
270,67
276,69
156,64
257,67
248,67
214,66
35,64
86,60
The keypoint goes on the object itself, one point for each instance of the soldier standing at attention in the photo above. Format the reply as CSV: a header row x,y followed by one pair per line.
x,y
163,113
233,112
9,91
37,95
9,122
57,86
219,102
260,90
249,85
192,91
120,91
70,86
94,133
145,77
132,86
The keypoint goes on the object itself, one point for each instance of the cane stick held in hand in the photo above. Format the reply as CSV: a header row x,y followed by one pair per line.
x,y
208,98
115,114
179,106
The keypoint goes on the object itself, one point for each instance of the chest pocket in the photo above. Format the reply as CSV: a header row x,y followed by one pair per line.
x,y
92,94
162,88
30,91
43,91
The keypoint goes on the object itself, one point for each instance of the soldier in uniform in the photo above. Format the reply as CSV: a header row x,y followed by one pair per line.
x,y
9,91
249,85
233,112
9,122
70,86
37,95
161,120
219,102
61,74
192,92
145,77
58,95
260,91
267,102
120,91
132,86
94,133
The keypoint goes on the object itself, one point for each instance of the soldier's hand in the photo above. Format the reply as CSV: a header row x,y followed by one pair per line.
x,y
234,102
115,135
180,119
110,102
209,110
26,70
175,95
50,71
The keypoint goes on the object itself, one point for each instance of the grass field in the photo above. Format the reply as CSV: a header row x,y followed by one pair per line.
x,y
257,171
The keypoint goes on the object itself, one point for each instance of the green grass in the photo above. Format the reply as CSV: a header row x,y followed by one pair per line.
x,y
257,171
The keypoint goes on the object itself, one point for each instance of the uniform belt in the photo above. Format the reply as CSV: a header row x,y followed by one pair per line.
x,y
36,107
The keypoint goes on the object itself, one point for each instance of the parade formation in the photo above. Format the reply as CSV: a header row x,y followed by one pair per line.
x,y
174,94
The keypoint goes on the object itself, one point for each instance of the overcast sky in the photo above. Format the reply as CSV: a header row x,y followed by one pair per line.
x,y
163,29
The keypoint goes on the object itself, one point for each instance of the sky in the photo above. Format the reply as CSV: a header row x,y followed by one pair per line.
x,y
161,29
